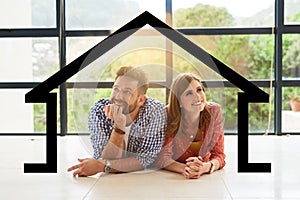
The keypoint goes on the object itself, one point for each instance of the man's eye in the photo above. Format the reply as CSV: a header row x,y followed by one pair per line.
x,y
199,90
116,89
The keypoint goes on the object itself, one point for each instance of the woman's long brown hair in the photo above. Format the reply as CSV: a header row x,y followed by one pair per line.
x,y
178,86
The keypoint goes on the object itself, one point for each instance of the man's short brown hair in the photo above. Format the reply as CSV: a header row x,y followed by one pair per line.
x,y
136,74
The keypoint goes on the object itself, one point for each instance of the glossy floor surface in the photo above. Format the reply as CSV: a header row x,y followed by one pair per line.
x,y
283,152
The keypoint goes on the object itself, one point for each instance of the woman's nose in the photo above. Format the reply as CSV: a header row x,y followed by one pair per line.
x,y
198,96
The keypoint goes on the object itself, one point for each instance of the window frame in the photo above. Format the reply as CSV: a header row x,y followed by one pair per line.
x,y
61,33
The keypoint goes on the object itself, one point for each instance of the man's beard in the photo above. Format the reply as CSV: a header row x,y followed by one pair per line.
x,y
127,109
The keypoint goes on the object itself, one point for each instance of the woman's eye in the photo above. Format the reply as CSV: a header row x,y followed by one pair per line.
x,y
188,93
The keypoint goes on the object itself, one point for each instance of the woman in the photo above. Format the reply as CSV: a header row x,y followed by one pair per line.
x,y
194,143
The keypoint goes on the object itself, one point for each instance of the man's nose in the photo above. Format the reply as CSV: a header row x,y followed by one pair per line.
x,y
120,95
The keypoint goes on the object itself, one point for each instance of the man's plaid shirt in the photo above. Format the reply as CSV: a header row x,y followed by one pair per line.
x,y
146,134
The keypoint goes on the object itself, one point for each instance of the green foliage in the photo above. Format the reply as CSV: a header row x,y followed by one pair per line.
x,y
39,118
291,63
202,16
80,102
291,52
233,51
259,115
260,56
249,55
291,56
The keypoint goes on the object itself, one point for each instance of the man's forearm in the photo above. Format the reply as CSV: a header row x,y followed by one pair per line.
x,y
114,147
126,165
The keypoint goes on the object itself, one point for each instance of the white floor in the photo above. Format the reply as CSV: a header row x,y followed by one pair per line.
x,y
282,183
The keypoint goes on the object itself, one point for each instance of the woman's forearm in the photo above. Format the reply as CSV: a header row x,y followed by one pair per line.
x,y
175,166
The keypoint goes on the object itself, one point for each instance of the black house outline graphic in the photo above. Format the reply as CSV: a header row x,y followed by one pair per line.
x,y
41,93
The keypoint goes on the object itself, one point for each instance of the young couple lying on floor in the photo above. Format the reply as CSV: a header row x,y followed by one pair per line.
x,y
131,132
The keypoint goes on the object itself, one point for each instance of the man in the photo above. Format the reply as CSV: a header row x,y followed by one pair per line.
x,y
127,130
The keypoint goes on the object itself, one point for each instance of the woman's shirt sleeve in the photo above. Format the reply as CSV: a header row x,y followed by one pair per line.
x,y
217,151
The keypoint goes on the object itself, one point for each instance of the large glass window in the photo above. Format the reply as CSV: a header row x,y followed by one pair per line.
x,y
291,12
291,109
249,55
28,14
30,53
137,50
261,115
16,116
80,102
28,59
40,117
259,118
225,13
78,45
113,14
291,56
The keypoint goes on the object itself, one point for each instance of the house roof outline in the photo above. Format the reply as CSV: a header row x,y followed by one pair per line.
x,y
41,93
128,29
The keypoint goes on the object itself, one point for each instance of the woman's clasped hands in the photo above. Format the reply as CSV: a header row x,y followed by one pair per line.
x,y
195,167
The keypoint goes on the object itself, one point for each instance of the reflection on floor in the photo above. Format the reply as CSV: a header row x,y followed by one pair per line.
x,y
282,183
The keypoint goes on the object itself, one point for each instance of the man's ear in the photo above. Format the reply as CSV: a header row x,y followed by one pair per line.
x,y
142,99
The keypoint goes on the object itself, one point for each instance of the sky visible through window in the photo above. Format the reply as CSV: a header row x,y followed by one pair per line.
x,y
238,8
